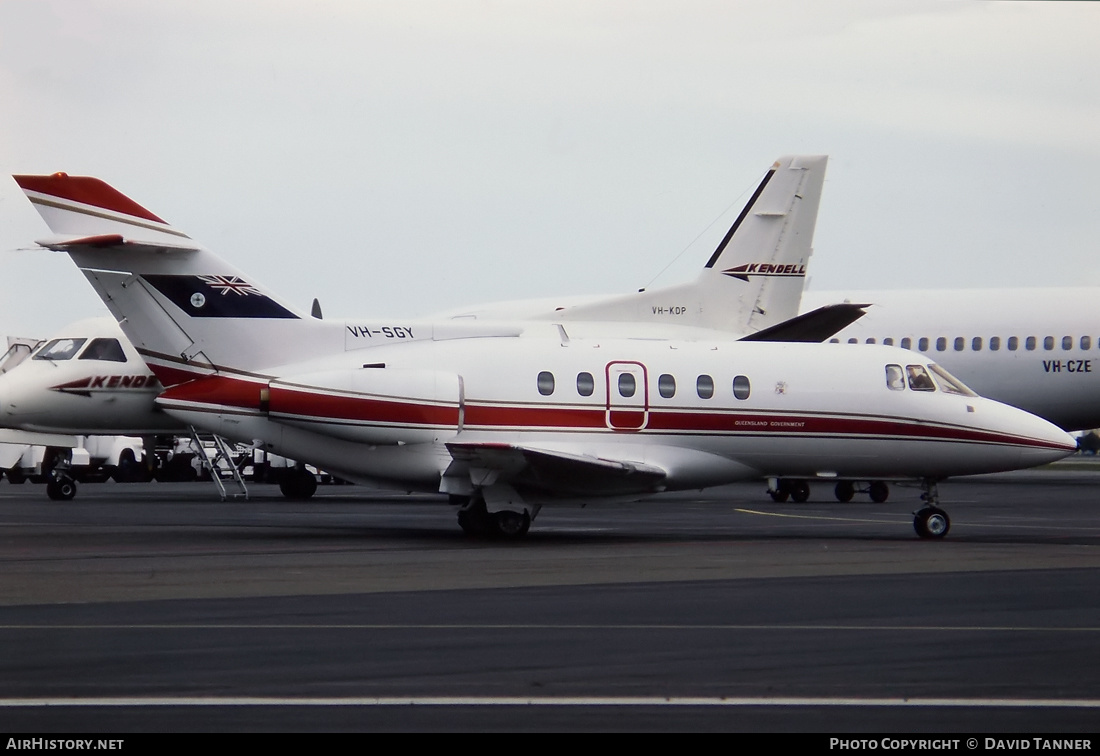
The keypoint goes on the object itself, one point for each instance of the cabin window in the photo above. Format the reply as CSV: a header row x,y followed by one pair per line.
x,y
1048,343
922,345
906,343
834,341
976,343
585,384
1013,343
1086,342
895,378
704,386
888,341
1067,343
853,340
108,350
741,387
919,380
60,349
871,340
546,383
627,385
960,343
941,344
994,343
1029,343
666,386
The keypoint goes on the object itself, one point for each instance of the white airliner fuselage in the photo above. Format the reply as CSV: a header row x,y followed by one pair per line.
x,y
1037,349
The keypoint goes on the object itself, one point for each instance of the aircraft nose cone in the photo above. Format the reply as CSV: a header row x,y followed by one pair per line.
x,y
1046,442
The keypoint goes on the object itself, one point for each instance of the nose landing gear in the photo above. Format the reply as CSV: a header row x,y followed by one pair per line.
x,y
930,521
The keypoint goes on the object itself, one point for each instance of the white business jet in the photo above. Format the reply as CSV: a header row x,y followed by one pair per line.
x,y
507,417
89,380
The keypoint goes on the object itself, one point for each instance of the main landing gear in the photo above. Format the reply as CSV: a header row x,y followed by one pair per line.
x,y
799,490
60,487
476,520
298,483
930,521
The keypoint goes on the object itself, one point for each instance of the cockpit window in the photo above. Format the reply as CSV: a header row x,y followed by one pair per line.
x,y
108,350
949,383
59,349
895,378
919,380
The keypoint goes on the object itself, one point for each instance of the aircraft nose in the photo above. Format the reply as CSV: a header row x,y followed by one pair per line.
x,y
1043,441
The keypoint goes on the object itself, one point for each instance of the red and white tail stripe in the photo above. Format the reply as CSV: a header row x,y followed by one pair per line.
x,y
83,206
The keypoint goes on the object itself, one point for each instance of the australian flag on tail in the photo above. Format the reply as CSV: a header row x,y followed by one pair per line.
x,y
217,297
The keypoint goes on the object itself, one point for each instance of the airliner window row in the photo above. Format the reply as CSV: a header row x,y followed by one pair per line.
x,y
627,385
977,344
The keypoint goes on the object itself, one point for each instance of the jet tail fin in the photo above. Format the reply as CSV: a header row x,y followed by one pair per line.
x,y
170,295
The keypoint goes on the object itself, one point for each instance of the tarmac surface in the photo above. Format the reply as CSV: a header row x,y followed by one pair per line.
x,y
157,607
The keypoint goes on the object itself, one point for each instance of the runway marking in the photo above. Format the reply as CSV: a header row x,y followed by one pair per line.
x,y
1025,526
508,626
813,517
741,701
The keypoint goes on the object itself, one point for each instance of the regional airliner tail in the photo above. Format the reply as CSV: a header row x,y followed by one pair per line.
x,y
754,279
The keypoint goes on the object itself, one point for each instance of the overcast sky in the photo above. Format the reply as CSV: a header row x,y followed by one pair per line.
x,y
399,158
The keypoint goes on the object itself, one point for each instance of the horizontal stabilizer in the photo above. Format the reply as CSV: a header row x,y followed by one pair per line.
x,y
33,438
812,327
555,471
114,241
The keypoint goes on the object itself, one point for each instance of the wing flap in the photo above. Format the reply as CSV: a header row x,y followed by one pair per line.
x,y
554,471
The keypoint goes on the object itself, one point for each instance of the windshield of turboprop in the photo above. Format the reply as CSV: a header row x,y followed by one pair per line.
x,y
108,350
59,349
924,378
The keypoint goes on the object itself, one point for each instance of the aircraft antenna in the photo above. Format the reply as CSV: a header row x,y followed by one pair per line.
x,y
699,236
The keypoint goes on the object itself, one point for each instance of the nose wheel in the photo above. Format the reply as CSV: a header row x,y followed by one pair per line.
x,y
61,488
930,521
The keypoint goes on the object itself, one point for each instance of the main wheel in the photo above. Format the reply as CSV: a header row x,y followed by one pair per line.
x,y
845,490
299,484
800,491
878,491
781,492
510,525
473,518
127,468
931,522
61,490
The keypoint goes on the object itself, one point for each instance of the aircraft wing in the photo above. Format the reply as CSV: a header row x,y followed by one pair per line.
x,y
814,326
553,471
